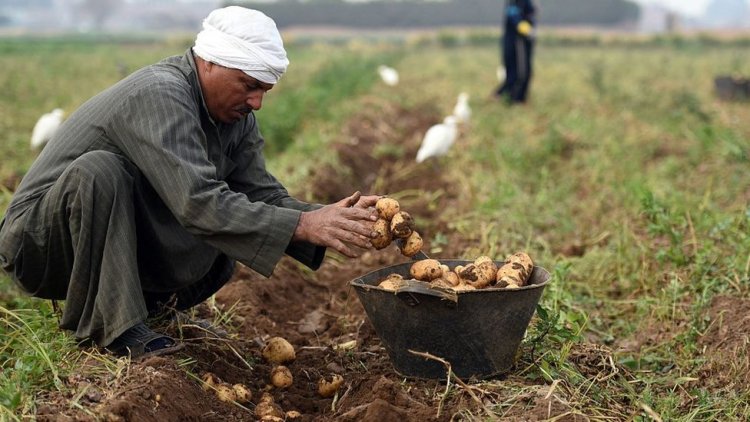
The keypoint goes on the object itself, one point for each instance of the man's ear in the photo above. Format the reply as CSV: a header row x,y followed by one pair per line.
x,y
207,65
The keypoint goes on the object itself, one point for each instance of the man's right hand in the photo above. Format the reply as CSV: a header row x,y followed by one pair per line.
x,y
346,226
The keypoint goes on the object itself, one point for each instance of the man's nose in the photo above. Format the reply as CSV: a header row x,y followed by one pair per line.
x,y
255,101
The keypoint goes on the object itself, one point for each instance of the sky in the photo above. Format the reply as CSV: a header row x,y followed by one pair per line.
x,y
685,7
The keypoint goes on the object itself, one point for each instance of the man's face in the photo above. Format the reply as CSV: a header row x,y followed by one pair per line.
x,y
230,94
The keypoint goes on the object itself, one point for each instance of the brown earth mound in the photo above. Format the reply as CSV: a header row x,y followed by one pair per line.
x,y
726,343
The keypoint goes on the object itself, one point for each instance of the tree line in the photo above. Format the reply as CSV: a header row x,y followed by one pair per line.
x,y
415,14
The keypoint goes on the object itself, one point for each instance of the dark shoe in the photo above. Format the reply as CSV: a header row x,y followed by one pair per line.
x,y
140,341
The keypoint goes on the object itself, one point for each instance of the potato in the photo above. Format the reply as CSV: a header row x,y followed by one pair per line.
x,y
384,237
266,409
210,381
515,271
411,244
281,377
329,388
402,225
392,282
468,274
387,208
278,351
478,277
482,259
426,269
293,414
225,393
487,271
242,393
451,277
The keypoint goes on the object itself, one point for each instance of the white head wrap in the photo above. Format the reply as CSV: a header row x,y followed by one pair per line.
x,y
245,39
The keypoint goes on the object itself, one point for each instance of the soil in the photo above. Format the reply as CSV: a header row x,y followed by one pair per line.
x,y
321,316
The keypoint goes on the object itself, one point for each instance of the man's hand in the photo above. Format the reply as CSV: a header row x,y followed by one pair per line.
x,y
346,226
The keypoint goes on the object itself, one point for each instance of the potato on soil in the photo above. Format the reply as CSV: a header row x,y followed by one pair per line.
x,y
210,381
411,244
426,269
293,414
281,377
402,225
242,394
225,393
278,351
387,208
329,388
266,409
384,237
392,282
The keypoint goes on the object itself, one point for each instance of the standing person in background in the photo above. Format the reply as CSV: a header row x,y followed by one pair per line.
x,y
517,45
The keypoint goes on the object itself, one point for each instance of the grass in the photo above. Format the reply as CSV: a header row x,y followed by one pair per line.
x,y
623,151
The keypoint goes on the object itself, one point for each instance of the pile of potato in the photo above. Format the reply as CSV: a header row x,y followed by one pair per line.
x,y
394,224
278,352
480,274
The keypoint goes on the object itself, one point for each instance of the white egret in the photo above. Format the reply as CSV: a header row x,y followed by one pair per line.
x,y
462,111
389,75
500,73
45,128
438,139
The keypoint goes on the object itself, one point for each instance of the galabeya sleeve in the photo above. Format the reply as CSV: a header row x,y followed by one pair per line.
x,y
158,128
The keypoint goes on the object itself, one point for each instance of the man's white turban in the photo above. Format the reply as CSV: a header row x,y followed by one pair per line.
x,y
244,39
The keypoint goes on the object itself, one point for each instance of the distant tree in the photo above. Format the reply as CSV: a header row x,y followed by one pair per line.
x,y
432,13
98,10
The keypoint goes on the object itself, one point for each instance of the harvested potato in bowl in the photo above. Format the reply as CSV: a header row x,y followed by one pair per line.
x,y
481,274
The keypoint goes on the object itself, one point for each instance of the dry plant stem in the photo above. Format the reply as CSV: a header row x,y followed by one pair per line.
x,y
693,238
458,380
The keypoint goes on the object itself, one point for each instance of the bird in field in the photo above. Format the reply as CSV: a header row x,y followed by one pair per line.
x,y
500,74
389,75
438,139
461,110
45,128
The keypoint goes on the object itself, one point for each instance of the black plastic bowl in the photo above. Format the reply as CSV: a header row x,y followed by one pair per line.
x,y
478,331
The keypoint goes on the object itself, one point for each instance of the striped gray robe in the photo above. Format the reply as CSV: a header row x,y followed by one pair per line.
x,y
141,191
